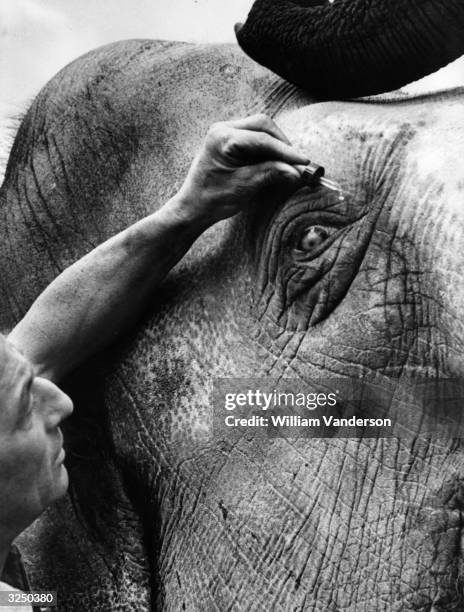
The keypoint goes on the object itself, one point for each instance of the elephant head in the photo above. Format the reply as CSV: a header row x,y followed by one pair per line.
x,y
167,512
348,49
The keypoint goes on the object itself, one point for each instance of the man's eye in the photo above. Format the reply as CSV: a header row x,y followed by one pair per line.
x,y
313,237
28,402
27,411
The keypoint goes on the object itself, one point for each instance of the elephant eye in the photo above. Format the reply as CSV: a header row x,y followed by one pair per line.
x,y
313,236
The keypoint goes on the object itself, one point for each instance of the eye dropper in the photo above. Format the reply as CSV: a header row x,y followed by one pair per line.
x,y
313,175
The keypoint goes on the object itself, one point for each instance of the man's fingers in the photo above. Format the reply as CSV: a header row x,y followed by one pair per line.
x,y
267,174
260,123
242,147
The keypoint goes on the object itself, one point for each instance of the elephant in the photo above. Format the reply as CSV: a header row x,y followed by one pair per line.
x,y
165,512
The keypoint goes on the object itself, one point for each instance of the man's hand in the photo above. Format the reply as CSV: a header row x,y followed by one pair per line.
x,y
237,160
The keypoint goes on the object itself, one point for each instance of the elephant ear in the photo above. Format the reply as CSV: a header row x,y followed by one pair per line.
x,y
351,48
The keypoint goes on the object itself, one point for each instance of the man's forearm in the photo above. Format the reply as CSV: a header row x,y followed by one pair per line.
x,y
103,293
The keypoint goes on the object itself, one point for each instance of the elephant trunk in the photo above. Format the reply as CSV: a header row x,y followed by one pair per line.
x,y
352,48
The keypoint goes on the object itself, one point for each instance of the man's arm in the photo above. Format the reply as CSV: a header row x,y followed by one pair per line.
x,y
102,294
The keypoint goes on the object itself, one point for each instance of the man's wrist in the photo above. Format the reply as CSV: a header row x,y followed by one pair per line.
x,y
174,226
183,211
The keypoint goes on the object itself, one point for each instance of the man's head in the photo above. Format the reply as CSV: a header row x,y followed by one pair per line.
x,y
32,473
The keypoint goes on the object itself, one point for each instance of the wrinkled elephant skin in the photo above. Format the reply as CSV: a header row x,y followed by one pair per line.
x,y
165,512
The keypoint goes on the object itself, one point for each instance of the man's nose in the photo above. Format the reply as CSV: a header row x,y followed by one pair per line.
x,y
56,404
61,406
66,404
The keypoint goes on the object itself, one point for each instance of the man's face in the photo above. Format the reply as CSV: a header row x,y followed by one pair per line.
x,y
32,473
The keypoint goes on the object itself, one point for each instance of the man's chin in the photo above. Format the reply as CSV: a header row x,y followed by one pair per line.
x,y
56,489
62,482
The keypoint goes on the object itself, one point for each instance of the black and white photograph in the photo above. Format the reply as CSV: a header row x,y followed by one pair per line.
x,y
232,305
